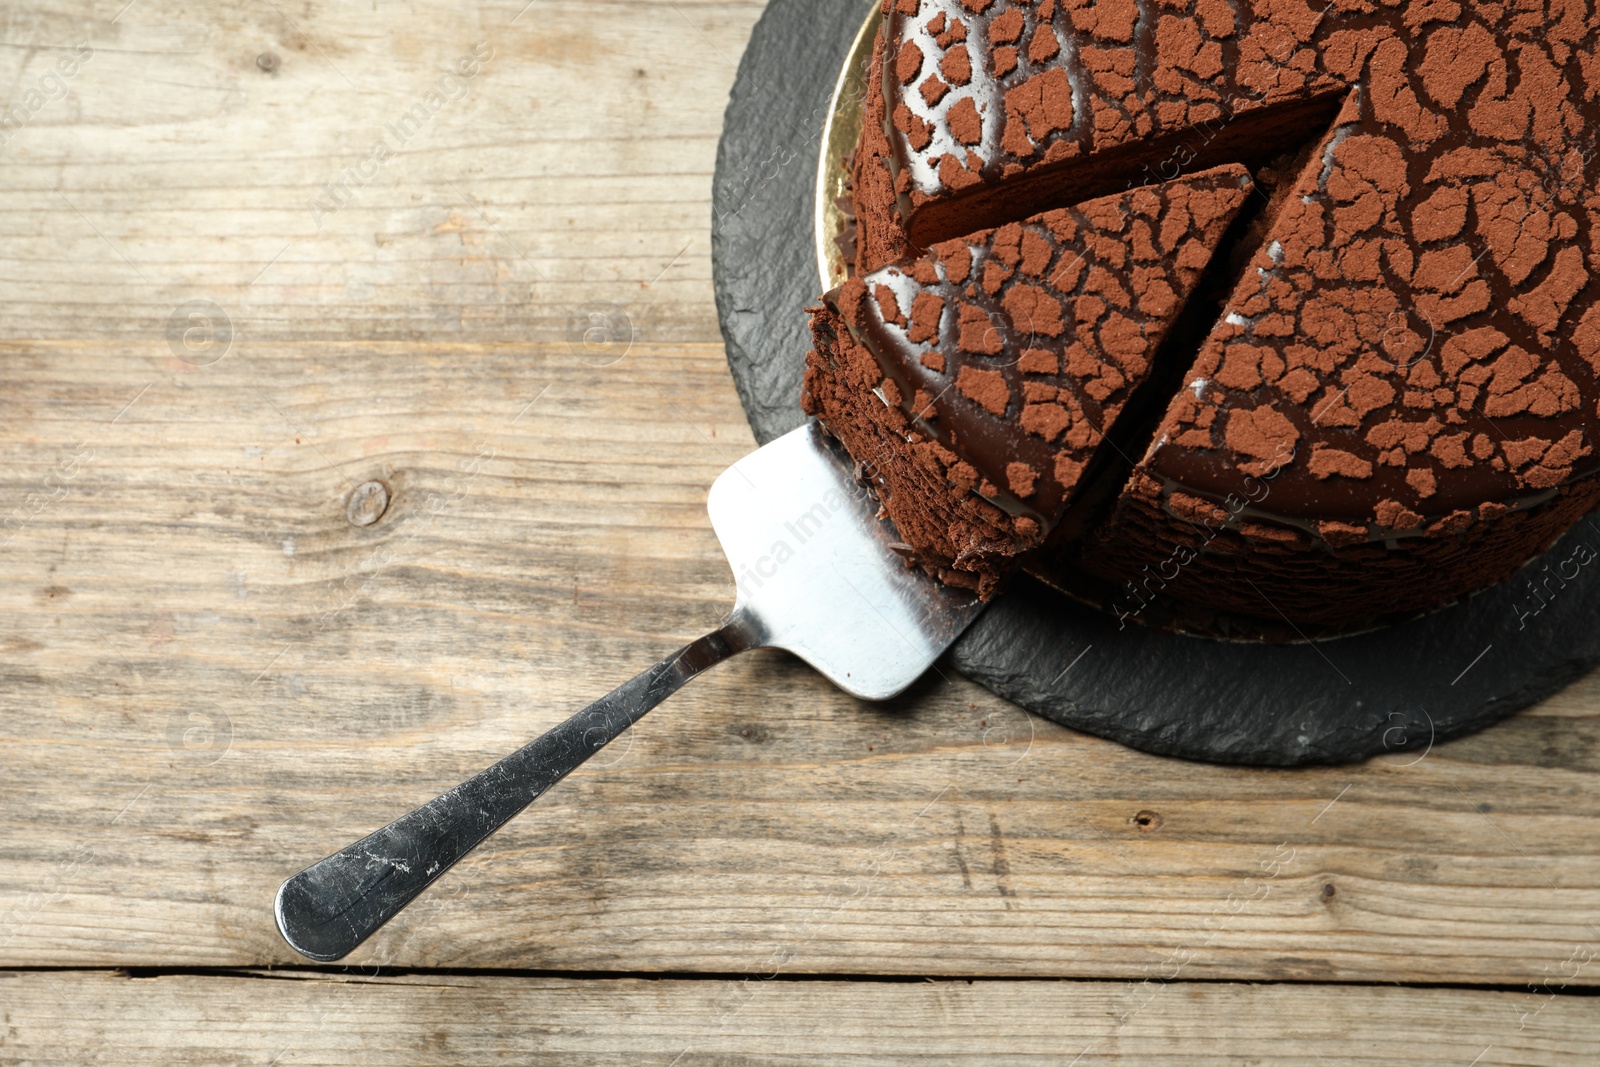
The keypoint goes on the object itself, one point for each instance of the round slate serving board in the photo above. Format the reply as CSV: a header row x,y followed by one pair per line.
x,y
1395,690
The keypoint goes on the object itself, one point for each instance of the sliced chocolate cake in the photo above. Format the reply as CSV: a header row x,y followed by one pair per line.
x,y
976,383
1392,400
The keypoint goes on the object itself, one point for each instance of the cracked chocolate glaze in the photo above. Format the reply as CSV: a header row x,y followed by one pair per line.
x,y
1247,512
1419,323
1016,349
1014,101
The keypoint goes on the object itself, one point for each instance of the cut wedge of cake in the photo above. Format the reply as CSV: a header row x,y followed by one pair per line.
x,y
976,383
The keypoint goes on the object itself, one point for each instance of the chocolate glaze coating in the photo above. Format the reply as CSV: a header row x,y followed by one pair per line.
x,y
999,361
1414,346
1180,696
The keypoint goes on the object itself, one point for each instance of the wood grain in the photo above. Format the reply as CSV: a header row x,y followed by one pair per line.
x,y
197,573
209,677
287,1019
573,167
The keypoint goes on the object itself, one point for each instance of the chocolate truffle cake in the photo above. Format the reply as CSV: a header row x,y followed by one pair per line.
x,y
1383,394
979,380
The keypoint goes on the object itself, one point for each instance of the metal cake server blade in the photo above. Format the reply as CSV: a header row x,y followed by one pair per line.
x,y
816,575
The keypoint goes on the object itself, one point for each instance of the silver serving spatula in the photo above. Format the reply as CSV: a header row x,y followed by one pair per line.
x,y
816,575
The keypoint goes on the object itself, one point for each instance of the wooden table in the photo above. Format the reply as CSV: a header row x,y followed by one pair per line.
x,y
250,264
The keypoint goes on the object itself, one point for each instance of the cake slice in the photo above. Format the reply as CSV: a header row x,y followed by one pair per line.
x,y
975,383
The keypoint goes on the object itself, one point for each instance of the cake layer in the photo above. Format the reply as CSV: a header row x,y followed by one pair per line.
x,y
880,240
1232,568
1414,349
977,381
1174,560
940,524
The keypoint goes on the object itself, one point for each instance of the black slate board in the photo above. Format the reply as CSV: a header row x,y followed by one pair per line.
x,y
1396,690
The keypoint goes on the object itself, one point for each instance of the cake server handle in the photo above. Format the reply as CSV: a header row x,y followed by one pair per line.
x,y
336,903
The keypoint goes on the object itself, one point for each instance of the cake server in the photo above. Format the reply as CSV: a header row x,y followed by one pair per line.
x,y
816,574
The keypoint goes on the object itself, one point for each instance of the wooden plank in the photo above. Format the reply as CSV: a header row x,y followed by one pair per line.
x,y
334,197
210,677
296,1018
